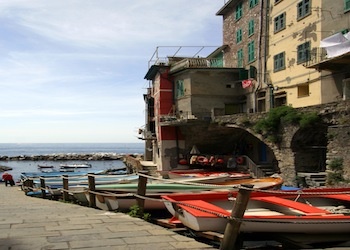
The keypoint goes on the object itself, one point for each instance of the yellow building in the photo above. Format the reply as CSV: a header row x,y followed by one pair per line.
x,y
296,29
279,43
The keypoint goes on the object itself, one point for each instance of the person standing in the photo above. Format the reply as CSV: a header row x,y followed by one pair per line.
x,y
8,179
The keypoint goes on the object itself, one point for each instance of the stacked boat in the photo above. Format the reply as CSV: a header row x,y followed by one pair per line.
x,y
121,197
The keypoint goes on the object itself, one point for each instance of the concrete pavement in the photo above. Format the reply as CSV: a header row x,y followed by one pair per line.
x,y
33,223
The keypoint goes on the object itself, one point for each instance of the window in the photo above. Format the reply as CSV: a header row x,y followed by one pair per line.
x,y
251,27
303,90
303,51
240,58
251,51
277,1
239,10
346,5
180,91
280,99
239,36
279,62
304,8
253,3
280,22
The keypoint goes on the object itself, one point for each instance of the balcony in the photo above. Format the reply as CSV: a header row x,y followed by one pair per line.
x,y
192,63
320,61
333,53
184,118
146,135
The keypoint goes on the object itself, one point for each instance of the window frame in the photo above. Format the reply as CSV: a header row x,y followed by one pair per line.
x,y
346,5
303,90
240,58
180,90
251,27
280,22
239,11
303,9
253,3
251,51
239,36
303,52
279,62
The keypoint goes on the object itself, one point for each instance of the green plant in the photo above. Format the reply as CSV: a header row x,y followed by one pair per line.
x,y
309,119
135,212
286,115
336,175
336,164
334,178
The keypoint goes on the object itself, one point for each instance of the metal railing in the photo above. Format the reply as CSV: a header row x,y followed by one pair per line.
x,y
253,168
197,63
186,116
317,55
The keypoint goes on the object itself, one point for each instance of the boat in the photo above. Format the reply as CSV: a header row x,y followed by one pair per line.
x,y
100,179
122,201
191,185
45,166
81,165
313,211
208,176
122,196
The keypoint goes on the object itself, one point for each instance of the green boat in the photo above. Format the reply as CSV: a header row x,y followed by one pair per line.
x,y
160,187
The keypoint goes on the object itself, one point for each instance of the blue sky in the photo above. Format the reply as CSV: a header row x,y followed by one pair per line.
x,y
73,70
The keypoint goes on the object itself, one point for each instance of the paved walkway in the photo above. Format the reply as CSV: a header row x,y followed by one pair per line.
x,y
33,223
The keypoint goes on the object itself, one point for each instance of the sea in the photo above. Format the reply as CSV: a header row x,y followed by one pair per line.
x,y
29,149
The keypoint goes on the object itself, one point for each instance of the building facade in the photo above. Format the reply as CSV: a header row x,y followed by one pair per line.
x,y
278,52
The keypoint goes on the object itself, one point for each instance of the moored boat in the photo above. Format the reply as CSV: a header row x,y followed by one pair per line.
x,y
81,165
45,166
205,176
311,211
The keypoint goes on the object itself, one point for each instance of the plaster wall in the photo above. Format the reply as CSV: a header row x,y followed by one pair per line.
x,y
287,40
167,158
205,91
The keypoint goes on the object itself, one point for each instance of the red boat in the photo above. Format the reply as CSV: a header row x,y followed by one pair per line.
x,y
321,211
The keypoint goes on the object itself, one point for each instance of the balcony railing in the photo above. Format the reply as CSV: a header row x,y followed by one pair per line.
x,y
317,56
196,63
184,117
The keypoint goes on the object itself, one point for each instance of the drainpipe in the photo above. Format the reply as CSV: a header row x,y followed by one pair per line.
x,y
271,88
271,93
259,78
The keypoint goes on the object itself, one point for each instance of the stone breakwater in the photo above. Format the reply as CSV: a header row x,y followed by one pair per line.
x,y
67,157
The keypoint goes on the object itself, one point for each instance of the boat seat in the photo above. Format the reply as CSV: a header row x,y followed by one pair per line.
x,y
292,204
203,206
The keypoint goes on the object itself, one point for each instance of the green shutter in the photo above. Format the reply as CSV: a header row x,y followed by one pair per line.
x,y
243,74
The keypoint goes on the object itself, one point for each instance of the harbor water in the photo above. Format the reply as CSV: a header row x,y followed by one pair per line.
x,y
29,149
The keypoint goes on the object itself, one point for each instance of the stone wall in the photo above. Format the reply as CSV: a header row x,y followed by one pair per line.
x,y
339,147
334,115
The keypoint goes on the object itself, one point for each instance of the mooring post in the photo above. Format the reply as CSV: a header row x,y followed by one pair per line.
x,y
65,187
43,187
92,188
233,225
141,190
28,185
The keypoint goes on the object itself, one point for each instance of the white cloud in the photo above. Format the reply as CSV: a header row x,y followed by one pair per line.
x,y
76,65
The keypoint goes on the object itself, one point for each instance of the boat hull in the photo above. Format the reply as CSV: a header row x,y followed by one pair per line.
x,y
317,211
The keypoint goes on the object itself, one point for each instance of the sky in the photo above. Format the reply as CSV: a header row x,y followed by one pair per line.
x,y
73,70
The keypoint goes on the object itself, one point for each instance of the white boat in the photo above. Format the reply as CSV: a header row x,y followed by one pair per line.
x,y
81,165
321,211
124,201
